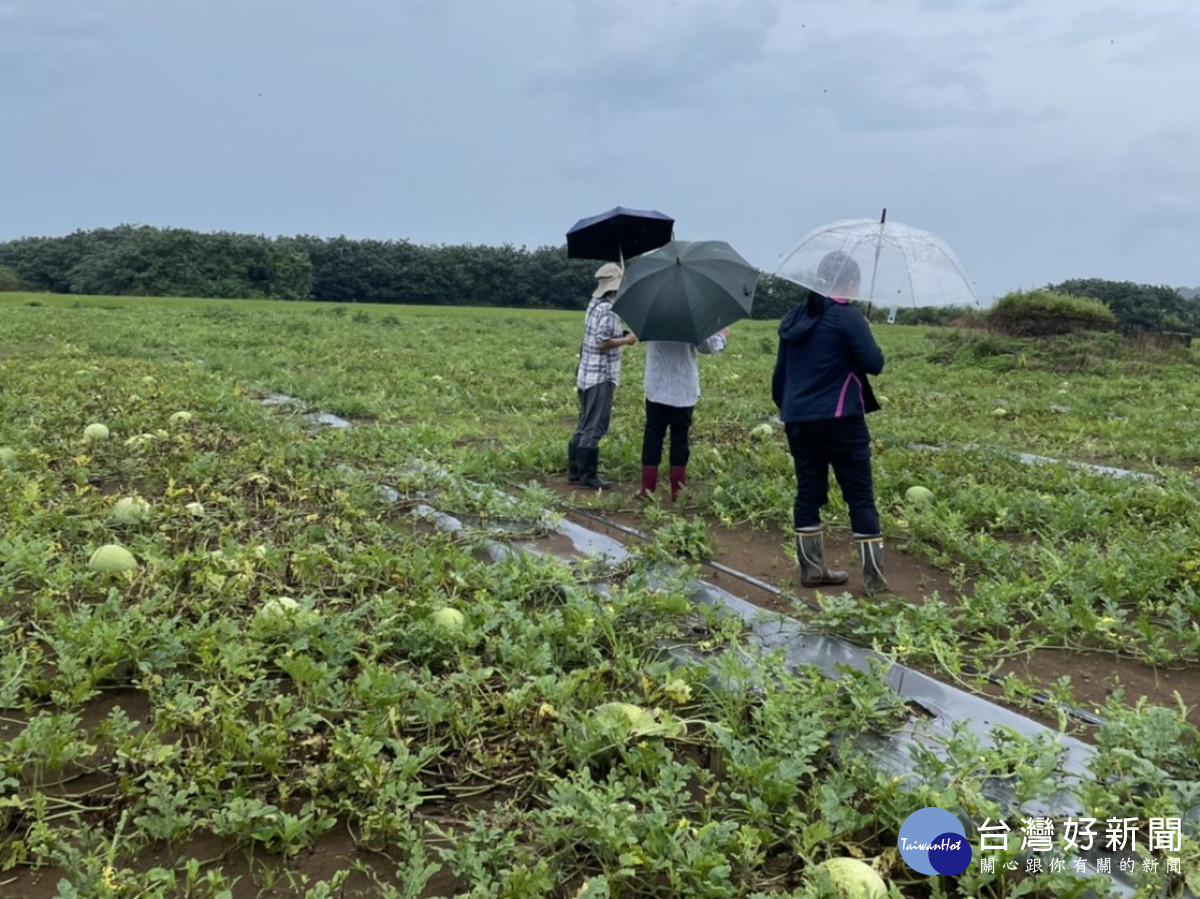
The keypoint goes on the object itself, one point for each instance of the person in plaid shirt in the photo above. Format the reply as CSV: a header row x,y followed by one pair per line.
x,y
596,378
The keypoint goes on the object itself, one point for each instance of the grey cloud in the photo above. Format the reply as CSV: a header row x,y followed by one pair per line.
x,y
1171,37
40,52
458,120
728,56
971,6
1161,188
1118,26
1157,215
688,59
863,87
984,6
1001,6
24,24
944,100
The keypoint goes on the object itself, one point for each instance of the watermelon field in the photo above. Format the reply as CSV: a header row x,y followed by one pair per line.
x,y
285,678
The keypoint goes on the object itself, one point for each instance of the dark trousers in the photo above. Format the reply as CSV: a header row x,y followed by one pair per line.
x,y
595,412
843,444
660,417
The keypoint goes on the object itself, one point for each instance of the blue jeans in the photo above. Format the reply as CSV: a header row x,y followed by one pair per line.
x,y
843,444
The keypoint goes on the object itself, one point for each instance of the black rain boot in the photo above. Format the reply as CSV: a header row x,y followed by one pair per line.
x,y
810,552
871,549
573,473
589,462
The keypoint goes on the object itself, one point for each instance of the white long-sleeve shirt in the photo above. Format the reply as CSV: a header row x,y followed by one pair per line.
x,y
672,372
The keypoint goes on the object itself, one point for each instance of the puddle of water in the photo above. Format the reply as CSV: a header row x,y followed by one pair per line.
x,y
324,418
279,400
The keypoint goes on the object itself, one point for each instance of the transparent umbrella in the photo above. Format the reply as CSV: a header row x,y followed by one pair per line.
x,y
899,265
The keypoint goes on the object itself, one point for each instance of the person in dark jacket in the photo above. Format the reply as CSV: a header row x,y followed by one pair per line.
x,y
826,351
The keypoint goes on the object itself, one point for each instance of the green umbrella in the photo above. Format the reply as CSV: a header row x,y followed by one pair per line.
x,y
686,291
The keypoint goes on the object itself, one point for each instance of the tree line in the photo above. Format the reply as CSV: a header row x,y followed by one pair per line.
x,y
139,260
1140,307
133,260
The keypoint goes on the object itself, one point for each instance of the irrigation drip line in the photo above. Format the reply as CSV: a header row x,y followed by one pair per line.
x,y
1035,459
1042,699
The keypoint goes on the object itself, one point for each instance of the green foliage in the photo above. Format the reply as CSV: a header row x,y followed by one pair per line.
x,y
10,280
161,715
1140,307
774,297
1077,351
944,316
144,261
677,537
1040,312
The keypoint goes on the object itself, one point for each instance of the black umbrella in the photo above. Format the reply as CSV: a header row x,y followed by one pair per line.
x,y
686,291
619,234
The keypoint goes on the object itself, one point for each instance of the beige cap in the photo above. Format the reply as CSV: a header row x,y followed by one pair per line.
x,y
609,277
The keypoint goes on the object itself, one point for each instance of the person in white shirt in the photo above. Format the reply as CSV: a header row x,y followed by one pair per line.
x,y
672,386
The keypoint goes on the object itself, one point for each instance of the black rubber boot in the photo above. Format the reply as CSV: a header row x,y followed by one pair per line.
x,y
589,462
573,463
810,552
871,549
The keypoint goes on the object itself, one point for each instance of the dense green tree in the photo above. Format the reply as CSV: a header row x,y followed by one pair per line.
x,y
144,261
776,296
9,279
1138,307
44,263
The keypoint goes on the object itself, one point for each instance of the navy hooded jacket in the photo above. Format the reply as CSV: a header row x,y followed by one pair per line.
x,y
826,350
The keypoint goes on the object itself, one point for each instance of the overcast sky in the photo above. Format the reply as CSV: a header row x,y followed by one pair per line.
x,y
1041,139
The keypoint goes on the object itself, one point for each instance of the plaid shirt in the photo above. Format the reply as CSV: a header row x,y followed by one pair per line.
x,y
595,365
